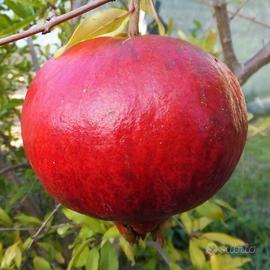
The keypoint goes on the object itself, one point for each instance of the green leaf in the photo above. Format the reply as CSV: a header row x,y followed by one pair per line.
x,y
51,250
210,210
5,21
128,250
148,7
112,232
175,266
41,264
92,259
77,253
63,230
16,26
20,8
108,258
27,243
223,239
12,253
18,257
85,232
109,22
94,224
4,218
28,220
187,222
196,255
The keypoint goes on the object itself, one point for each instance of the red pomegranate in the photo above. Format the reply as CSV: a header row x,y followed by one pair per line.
x,y
135,130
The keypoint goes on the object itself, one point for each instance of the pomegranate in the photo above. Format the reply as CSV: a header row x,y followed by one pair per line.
x,y
135,130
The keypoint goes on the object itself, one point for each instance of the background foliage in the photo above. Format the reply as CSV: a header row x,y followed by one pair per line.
x,y
35,233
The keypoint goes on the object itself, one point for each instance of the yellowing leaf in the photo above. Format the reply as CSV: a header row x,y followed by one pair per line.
x,y
109,22
196,255
210,210
187,222
215,262
233,263
41,264
226,262
202,242
149,7
200,223
172,252
224,239
210,41
12,253
128,250
224,204
4,218
92,259
182,35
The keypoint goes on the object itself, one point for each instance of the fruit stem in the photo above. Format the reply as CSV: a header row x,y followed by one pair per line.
x,y
133,28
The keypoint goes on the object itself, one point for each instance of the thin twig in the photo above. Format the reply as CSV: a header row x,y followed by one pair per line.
x,y
46,28
13,168
32,228
240,15
237,11
43,225
161,252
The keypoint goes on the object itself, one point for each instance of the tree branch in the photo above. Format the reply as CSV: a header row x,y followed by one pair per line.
x,y
15,229
242,71
223,24
260,59
46,28
133,28
43,225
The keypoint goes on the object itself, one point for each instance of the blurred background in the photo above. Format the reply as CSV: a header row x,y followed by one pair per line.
x,y
231,231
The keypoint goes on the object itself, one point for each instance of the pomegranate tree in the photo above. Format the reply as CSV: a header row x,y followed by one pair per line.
x,y
134,131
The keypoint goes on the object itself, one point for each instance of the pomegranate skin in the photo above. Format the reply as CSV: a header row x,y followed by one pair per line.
x,y
134,130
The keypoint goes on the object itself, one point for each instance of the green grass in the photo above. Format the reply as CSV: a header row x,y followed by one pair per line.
x,y
248,191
